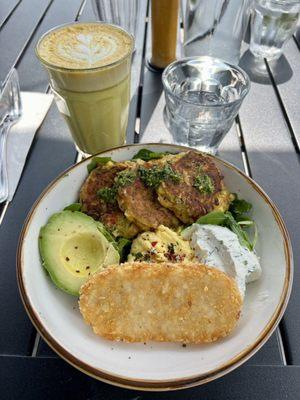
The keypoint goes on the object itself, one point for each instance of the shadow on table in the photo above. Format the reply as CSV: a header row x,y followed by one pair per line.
x,y
257,69
151,93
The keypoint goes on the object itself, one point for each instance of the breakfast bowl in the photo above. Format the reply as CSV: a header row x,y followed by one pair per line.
x,y
155,366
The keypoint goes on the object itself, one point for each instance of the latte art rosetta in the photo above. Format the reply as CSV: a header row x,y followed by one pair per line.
x,y
85,45
88,49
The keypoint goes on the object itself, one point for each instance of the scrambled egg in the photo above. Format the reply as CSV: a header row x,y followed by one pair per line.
x,y
163,245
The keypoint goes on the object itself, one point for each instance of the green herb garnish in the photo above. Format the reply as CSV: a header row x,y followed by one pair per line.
x,y
108,194
147,155
138,256
152,177
97,161
124,178
73,207
171,248
239,206
204,184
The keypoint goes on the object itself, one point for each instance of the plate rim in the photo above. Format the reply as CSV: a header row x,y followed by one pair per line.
x,y
177,383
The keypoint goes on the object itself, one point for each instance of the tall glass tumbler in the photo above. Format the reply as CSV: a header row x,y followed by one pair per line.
x,y
124,13
89,65
273,22
203,96
215,28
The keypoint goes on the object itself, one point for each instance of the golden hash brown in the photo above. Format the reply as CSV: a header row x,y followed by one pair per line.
x,y
137,302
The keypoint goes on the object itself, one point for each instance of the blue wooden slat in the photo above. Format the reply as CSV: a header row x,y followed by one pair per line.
x,y
17,31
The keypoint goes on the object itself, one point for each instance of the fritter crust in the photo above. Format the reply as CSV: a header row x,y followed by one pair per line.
x,y
183,198
140,205
108,213
138,302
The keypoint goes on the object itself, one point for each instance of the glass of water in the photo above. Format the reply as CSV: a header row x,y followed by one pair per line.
x,y
215,28
203,96
273,22
124,13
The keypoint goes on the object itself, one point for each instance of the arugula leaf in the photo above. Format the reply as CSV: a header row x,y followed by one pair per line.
x,y
238,230
124,246
239,206
73,207
121,244
147,155
227,220
243,218
213,218
107,234
96,161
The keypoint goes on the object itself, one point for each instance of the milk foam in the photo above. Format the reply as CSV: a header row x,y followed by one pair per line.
x,y
85,45
87,49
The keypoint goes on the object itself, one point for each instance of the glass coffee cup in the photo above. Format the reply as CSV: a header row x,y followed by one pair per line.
x,y
89,67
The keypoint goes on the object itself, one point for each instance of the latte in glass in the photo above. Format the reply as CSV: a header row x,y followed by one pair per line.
x,y
89,68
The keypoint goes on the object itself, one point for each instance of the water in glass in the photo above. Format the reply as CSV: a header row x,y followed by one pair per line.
x,y
203,96
273,22
215,28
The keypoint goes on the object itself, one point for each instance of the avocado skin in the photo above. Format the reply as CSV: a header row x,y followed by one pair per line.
x,y
60,228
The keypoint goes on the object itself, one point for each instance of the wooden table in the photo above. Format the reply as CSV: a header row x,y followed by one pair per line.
x,y
264,142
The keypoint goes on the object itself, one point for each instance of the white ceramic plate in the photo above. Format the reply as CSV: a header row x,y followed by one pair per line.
x,y
154,366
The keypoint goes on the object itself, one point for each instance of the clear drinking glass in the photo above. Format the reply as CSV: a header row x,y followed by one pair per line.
x,y
203,96
124,13
10,112
94,100
215,28
273,22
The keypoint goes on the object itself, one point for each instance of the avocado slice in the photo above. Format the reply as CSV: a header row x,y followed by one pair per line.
x,y
72,248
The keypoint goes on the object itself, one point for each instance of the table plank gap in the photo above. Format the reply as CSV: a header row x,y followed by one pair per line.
x,y
283,109
296,38
80,11
7,9
245,159
36,345
27,17
137,126
283,351
285,75
3,209
58,14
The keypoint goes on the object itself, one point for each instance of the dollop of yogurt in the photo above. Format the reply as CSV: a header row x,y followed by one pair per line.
x,y
220,248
